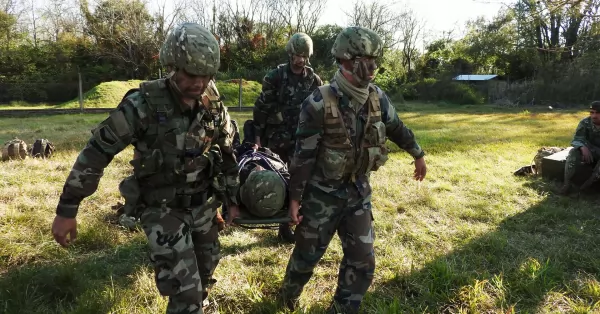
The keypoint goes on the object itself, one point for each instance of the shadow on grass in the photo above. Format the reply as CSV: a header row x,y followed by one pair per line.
x,y
535,261
84,284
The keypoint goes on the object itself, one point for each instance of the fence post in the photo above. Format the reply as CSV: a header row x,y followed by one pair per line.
x,y
240,96
80,93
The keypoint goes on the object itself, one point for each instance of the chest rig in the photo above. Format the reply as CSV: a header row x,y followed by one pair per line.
x,y
340,154
176,155
291,93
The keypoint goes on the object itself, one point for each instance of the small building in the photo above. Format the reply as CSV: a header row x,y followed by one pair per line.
x,y
492,85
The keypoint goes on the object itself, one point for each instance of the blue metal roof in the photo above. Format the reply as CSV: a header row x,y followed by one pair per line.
x,y
475,77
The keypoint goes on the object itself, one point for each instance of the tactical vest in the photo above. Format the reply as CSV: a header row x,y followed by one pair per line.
x,y
288,104
177,154
338,156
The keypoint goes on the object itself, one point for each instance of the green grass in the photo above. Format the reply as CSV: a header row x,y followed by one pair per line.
x,y
471,238
109,94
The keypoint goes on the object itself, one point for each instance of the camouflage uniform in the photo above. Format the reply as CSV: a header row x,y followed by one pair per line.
x,y
263,183
184,168
587,134
277,108
339,143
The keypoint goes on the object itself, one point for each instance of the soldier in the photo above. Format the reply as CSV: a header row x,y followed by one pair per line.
x,y
586,149
184,167
341,138
277,108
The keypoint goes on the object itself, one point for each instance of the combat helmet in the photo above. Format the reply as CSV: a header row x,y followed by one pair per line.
x,y
300,44
357,41
263,193
193,48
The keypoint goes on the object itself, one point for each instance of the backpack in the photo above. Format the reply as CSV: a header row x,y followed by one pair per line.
x,y
14,149
541,153
42,148
535,167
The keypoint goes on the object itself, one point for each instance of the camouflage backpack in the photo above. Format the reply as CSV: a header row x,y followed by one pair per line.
x,y
541,153
14,149
42,148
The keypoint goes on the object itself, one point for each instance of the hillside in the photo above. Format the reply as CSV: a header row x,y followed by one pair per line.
x,y
109,94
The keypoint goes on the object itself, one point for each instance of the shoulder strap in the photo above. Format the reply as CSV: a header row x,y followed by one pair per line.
x,y
375,106
282,80
331,110
329,101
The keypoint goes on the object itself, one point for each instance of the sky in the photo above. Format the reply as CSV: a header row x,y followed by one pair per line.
x,y
439,15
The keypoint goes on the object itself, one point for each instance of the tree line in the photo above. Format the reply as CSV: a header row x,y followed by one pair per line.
x,y
546,51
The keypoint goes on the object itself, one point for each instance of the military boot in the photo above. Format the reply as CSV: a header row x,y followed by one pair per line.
x,y
285,301
564,189
336,308
286,233
205,291
587,183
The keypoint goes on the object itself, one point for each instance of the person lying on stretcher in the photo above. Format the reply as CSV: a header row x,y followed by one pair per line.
x,y
263,185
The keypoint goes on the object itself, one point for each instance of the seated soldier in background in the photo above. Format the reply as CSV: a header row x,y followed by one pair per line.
x,y
586,150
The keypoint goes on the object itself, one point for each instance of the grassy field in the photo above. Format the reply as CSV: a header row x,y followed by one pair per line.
x,y
109,94
471,238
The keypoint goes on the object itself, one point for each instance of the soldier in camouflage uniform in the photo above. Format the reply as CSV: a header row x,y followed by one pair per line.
x,y
277,108
341,138
586,149
184,167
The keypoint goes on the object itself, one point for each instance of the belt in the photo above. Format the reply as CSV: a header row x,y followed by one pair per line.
x,y
188,200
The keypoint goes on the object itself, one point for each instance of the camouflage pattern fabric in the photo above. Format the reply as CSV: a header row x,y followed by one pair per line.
x,y
185,251
263,193
355,42
300,44
328,167
586,134
324,215
193,48
15,149
328,152
574,161
183,170
541,153
263,180
277,108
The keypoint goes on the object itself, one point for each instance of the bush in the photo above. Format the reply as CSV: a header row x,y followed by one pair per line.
x,y
431,89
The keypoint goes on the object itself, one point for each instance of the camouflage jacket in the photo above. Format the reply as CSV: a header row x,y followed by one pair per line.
x,y
178,150
312,159
587,134
281,96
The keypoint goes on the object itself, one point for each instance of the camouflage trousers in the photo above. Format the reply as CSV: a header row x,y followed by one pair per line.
x,y
184,250
574,161
281,142
324,215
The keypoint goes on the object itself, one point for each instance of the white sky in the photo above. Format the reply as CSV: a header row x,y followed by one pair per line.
x,y
438,15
